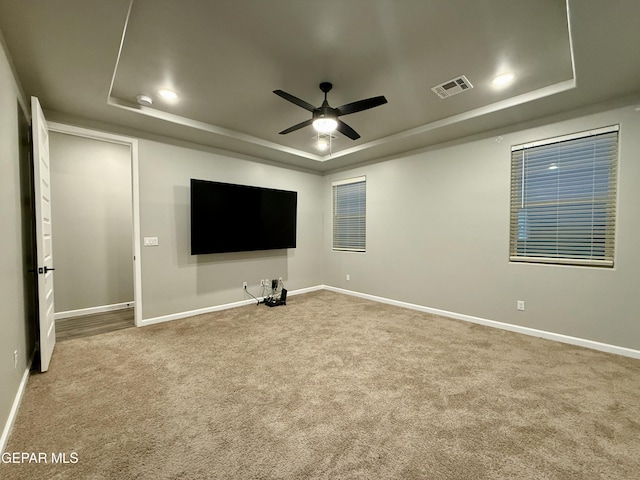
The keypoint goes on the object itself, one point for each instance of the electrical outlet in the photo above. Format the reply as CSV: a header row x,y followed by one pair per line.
x,y
244,285
348,277
280,279
15,359
520,305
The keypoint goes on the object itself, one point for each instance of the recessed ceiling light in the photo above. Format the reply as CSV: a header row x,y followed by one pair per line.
x,y
502,80
322,144
168,94
322,141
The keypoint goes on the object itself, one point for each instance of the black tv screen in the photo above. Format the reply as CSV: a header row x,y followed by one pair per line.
x,y
238,218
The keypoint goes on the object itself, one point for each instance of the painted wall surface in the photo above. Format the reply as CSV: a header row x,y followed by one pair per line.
x,y
92,222
15,330
175,281
438,236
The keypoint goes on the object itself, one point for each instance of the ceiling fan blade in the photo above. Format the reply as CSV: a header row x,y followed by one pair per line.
x,y
361,105
300,125
296,100
347,131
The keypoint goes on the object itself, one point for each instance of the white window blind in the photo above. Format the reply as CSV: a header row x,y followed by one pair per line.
x,y
563,199
349,214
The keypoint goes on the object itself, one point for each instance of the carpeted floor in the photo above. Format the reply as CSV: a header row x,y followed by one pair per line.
x,y
329,387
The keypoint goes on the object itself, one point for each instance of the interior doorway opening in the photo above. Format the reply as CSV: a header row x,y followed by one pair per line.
x,y
96,231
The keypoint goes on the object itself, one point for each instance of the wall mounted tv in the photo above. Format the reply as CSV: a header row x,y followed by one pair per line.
x,y
238,218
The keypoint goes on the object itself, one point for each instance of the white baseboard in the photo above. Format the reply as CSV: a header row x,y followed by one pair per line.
x,y
306,290
16,405
217,308
558,337
91,310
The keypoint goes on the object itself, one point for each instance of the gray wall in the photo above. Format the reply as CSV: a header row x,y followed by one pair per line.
x,y
438,236
15,332
92,222
174,281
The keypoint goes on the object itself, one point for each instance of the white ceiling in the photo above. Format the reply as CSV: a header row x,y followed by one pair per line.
x,y
87,60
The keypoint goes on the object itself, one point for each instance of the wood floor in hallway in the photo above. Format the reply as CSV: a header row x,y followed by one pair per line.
x,y
95,324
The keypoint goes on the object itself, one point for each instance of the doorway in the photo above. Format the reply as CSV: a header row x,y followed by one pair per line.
x,y
95,231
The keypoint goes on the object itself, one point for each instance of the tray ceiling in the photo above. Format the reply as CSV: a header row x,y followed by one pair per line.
x,y
91,59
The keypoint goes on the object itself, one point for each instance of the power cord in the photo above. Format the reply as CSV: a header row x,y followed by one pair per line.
x,y
257,301
275,294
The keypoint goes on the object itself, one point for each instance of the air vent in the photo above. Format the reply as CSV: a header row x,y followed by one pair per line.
x,y
452,87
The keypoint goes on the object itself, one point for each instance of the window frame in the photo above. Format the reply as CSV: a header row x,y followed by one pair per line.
x,y
359,224
568,196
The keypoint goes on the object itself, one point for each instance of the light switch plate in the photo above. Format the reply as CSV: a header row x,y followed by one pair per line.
x,y
150,241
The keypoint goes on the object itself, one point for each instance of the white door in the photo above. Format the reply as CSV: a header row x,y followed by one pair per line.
x,y
44,247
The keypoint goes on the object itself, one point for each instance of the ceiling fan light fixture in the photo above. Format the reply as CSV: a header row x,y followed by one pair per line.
x,y
325,125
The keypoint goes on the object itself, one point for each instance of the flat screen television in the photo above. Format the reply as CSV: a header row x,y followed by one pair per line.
x,y
238,218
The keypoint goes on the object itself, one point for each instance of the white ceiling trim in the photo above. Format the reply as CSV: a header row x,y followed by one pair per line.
x,y
478,112
207,127
188,122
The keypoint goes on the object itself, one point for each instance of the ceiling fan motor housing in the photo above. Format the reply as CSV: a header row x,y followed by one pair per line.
x,y
324,112
325,119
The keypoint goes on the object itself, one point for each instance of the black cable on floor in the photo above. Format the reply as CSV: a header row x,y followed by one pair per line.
x,y
258,301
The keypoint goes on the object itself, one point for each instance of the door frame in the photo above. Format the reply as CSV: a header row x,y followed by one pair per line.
x,y
135,190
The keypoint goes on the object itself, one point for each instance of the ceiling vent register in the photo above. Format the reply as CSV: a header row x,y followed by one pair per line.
x,y
452,87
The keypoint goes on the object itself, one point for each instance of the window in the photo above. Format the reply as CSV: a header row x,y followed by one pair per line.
x,y
349,214
563,199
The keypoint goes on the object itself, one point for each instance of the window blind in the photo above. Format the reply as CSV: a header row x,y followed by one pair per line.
x,y
349,214
563,199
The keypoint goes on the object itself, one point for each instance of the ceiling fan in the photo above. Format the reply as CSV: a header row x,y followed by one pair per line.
x,y
325,118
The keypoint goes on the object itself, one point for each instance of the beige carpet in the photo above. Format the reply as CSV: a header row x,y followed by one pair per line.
x,y
329,387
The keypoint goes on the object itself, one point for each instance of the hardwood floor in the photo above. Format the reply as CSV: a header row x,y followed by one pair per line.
x,y
95,324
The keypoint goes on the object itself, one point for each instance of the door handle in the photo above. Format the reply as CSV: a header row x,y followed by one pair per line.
x,y
45,269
